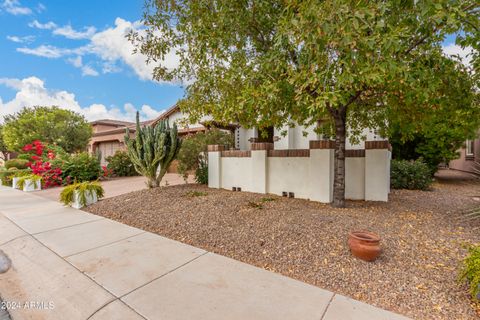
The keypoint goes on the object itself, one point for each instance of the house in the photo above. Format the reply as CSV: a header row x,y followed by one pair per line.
x,y
109,135
468,156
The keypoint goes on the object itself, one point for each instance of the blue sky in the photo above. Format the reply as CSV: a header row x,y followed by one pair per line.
x,y
74,53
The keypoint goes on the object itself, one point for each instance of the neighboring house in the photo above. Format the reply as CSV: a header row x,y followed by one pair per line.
x,y
468,155
109,135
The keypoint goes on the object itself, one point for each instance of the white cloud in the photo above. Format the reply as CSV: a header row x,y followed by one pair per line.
x,y
14,7
110,45
46,51
40,8
68,32
89,71
86,69
149,112
463,53
45,26
25,39
31,91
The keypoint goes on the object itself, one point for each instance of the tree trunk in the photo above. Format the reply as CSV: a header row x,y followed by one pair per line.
x,y
339,117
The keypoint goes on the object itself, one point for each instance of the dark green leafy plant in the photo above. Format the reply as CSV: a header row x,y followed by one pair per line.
x,y
201,173
7,175
17,163
153,150
121,164
413,175
470,271
52,125
83,189
81,167
194,149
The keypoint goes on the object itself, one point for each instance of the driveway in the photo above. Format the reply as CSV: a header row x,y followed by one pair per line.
x,y
70,264
118,186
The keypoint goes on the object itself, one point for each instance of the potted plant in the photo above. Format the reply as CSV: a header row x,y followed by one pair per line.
x,y
364,245
16,176
29,182
81,194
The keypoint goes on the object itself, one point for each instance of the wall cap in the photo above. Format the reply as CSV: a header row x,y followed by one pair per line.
x,y
261,146
215,147
379,144
322,144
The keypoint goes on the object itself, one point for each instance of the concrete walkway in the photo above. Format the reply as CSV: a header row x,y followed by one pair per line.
x,y
69,264
118,186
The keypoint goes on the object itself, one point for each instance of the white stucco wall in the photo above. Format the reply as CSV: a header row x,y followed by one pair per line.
x,y
355,178
310,177
180,119
377,174
236,172
288,174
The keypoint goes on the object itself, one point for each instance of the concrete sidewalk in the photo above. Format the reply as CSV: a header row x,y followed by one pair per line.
x,y
118,186
69,264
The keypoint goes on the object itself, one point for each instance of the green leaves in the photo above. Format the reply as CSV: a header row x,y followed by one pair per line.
x,y
53,125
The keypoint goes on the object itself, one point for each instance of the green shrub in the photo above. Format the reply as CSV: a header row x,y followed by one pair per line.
x,y
194,148
83,189
201,173
17,163
470,271
24,156
413,175
6,176
81,167
121,164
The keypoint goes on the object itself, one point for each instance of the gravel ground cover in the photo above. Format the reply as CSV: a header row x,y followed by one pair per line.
x,y
423,238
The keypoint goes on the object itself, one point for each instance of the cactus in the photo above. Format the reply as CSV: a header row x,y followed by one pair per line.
x,y
152,150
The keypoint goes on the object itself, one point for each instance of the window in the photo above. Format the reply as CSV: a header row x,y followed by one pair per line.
x,y
469,148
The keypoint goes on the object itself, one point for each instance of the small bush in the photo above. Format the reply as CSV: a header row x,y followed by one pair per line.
x,y
121,164
6,176
17,163
471,271
194,149
81,167
413,175
201,173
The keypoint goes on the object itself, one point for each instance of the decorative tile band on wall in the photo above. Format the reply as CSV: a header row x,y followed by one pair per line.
x,y
215,147
236,154
383,144
262,146
322,144
355,153
289,153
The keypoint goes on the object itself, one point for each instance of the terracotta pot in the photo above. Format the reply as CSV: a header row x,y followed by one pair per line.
x,y
364,245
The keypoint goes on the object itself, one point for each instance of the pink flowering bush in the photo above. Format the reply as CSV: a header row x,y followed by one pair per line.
x,y
41,157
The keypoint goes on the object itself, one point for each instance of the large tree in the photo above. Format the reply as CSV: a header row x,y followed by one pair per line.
x,y
54,125
274,63
3,147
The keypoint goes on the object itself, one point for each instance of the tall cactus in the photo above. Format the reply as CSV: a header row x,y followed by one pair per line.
x,y
153,149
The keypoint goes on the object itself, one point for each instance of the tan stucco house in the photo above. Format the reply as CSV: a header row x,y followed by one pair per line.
x,y
468,156
109,135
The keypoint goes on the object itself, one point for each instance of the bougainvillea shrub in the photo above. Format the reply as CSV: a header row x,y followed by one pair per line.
x,y
42,158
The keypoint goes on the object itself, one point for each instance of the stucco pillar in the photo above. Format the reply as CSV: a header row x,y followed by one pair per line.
x,y
259,161
215,166
320,179
377,170
355,174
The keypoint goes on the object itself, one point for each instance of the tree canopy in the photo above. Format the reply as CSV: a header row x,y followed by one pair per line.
x,y
275,63
64,128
